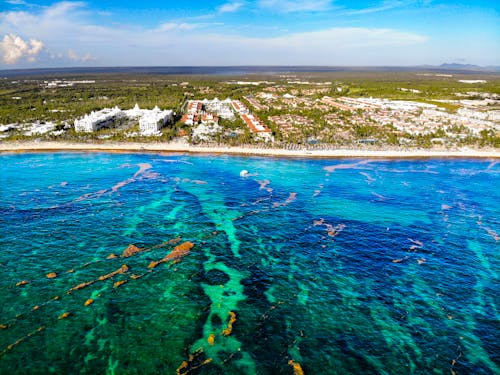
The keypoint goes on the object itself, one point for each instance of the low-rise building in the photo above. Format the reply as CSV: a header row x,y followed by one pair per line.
x,y
152,121
190,119
239,107
257,127
97,120
194,106
209,118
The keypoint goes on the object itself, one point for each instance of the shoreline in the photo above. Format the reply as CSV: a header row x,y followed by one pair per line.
x,y
26,147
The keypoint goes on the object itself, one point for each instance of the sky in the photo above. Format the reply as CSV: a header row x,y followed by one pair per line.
x,y
38,34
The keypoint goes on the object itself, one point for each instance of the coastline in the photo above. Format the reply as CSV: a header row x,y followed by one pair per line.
x,y
8,147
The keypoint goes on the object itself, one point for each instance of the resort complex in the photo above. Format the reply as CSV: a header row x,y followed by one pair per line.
x,y
289,110
150,121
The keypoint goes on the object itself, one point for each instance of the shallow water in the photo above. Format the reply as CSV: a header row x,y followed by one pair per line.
x,y
334,266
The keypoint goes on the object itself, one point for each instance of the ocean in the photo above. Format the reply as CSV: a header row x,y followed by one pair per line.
x,y
157,264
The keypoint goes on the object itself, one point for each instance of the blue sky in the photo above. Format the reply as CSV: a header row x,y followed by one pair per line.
x,y
239,32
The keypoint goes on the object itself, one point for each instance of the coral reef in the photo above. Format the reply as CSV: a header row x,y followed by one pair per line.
x,y
64,315
211,339
179,252
153,264
119,283
297,368
130,251
227,331
120,270
81,286
11,346
187,366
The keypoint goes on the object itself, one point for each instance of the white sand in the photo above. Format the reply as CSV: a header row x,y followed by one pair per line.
x,y
185,148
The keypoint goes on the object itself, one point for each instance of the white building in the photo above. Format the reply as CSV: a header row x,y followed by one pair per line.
x,y
153,120
239,107
220,107
97,120
205,132
150,120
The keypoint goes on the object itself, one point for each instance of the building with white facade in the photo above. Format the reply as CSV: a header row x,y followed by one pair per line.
x,y
221,108
97,120
150,120
239,107
153,120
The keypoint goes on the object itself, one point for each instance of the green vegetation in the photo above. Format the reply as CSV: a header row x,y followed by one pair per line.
x,y
27,100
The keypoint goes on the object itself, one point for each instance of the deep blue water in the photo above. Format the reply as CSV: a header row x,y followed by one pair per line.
x,y
331,266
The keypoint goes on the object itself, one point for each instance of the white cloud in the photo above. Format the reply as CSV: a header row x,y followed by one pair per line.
x,y
183,26
63,26
386,5
289,6
16,2
230,7
73,56
68,25
14,48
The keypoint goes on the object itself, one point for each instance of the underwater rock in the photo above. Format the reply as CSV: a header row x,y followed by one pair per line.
x,y
51,275
130,251
153,264
291,198
119,283
3,326
297,368
19,341
119,271
229,329
64,315
193,363
22,282
211,339
174,241
319,222
179,251
81,286
111,256
88,302
183,365
334,231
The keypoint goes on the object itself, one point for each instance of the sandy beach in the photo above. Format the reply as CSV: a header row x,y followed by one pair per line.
x,y
186,148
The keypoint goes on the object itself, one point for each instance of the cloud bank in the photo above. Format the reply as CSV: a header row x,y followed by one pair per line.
x,y
72,26
13,48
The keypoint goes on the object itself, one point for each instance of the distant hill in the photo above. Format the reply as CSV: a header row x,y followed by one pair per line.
x,y
460,66
469,67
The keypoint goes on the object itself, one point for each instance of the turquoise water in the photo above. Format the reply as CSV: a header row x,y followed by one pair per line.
x,y
320,266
